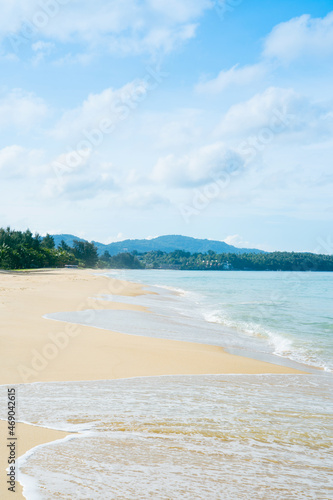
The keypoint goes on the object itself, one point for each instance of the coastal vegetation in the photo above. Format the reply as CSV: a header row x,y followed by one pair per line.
x,y
274,261
24,250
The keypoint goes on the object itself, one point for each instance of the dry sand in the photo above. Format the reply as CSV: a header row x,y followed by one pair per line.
x,y
34,349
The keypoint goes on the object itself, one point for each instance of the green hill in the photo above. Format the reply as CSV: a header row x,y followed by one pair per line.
x,y
163,243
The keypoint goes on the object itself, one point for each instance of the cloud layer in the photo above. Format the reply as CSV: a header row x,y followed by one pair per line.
x,y
21,110
301,37
121,26
199,167
127,142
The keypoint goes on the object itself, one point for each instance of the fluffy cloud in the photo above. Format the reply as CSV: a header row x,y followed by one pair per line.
x,y
123,25
200,167
78,175
14,13
41,49
16,161
234,76
100,113
172,130
21,109
301,36
75,175
237,241
276,109
140,199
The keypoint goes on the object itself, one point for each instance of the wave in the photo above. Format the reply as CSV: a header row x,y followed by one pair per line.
x,y
282,345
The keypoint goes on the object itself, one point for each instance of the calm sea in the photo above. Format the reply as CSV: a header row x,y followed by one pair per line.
x,y
208,437
291,312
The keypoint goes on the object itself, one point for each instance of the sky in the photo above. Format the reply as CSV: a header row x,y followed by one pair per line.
x,y
134,119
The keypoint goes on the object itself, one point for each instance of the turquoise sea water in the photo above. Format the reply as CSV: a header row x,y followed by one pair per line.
x,y
211,437
292,313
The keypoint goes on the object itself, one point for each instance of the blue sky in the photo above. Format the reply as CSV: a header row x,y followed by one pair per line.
x,y
132,119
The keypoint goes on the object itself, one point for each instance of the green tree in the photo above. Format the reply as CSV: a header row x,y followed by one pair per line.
x,y
63,245
48,242
85,252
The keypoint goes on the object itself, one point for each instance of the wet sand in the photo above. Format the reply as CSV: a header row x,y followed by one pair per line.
x,y
35,349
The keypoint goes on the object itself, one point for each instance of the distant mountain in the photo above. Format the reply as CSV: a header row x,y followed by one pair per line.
x,y
163,243
68,239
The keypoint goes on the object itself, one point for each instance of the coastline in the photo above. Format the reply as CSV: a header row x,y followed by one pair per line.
x,y
29,436
35,349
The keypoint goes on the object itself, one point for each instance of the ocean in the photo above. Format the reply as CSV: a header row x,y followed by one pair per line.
x,y
290,312
208,437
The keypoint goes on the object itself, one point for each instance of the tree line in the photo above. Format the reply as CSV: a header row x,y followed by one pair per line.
x,y
24,250
211,261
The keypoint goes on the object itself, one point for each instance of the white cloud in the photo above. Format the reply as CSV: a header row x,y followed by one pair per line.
x,y
41,46
277,109
111,105
23,110
16,161
41,49
114,239
151,237
122,25
301,36
237,241
138,199
201,166
142,199
298,38
78,175
10,159
173,130
235,76
14,13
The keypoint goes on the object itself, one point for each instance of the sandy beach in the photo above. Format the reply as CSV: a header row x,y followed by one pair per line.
x,y
35,349
28,437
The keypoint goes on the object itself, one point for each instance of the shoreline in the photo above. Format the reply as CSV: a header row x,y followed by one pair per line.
x,y
35,349
28,437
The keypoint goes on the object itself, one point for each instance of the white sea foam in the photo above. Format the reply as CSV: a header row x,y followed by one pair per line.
x,y
282,345
189,437
28,483
195,437
218,311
